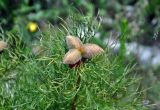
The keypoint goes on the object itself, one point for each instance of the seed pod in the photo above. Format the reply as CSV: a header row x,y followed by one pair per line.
x,y
3,45
91,50
72,56
73,42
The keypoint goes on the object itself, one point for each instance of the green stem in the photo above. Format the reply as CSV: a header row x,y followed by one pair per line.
x,y
73,105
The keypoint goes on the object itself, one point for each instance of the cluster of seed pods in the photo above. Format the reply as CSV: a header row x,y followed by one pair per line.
x,y
78,51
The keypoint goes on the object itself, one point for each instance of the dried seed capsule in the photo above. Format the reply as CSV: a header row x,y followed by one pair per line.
x,y
3,45
91,50
72,56
73,42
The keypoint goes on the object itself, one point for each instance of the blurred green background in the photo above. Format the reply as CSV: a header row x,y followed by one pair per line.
x,y
142,18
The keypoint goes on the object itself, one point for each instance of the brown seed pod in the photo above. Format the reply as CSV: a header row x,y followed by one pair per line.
x,y
73,42
3,45
72,56
91,50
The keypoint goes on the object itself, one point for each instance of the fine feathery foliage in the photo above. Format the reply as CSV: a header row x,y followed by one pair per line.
x,y
43,82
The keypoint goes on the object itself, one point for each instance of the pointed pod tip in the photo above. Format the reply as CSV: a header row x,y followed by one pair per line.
x,y
69,36
102,50
64,61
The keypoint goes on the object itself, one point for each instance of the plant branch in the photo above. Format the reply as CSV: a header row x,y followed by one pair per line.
x,y
73,105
